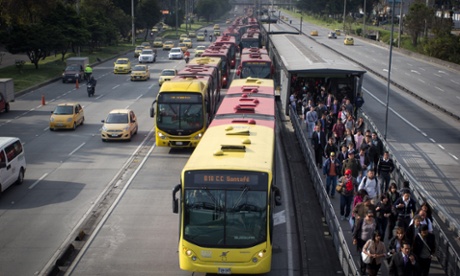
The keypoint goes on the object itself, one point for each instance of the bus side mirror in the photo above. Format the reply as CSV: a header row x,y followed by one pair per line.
x,y
175,199
277,193
152,109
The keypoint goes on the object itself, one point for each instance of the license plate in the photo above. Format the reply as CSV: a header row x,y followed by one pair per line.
x,y
114,135
179,143
224,270
59,124
138,77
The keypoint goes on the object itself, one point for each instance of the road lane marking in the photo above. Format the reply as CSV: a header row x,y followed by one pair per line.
x,y
115,86
38,181
440,89
456,82
79,147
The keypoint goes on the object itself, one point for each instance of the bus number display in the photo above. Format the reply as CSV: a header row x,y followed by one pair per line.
x,y
180,98
223,178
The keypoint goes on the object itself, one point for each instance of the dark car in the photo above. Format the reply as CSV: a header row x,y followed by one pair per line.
x,y
72,73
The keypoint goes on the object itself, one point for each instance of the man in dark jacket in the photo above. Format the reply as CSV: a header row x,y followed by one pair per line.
x,y
318,141
424,249
405,207
403,263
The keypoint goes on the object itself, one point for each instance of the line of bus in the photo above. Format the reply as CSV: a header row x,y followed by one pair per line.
x,y
230,42
223,53
227,194
213,62
255,63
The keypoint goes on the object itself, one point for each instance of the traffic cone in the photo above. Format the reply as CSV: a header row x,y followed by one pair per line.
x,y
76,84
43,99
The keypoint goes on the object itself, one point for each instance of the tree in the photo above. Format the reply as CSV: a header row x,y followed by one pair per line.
x,y
418,20
147,14
31,39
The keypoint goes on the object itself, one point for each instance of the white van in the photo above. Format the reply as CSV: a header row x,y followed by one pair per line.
x,y
12,162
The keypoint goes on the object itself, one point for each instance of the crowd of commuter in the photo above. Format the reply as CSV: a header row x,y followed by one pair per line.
x,y
357,167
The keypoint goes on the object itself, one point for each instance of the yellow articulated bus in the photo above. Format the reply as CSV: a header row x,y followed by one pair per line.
x,y
227,193
182,111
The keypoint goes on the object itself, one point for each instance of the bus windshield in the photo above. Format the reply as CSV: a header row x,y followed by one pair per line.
x,y
180,111
260,70
225,218
250,42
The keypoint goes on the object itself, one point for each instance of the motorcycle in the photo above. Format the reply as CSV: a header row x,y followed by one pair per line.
x,y
91,87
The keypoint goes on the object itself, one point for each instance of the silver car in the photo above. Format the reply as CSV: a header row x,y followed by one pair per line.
x,y
176,53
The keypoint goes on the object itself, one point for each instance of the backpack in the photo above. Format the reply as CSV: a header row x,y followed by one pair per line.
x,y
376,183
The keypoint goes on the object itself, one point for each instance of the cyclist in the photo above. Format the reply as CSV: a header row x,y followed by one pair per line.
x,y
210,37
187,56
205,32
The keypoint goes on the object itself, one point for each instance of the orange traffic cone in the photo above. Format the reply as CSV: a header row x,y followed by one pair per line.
x,y
76,84
43,99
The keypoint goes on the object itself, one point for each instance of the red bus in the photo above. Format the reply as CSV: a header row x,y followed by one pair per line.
x,y
230,42
255,63
224,54
205,71
232,31
252,38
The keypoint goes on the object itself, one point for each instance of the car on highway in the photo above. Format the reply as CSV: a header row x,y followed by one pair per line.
x,y
122,65
148,55
145,44
138,51
337,31
176,53
200,36
120,124
216,27
199,50
192,34
168,45
182,37
332,35
216,32
188,42
166,75
12,162
314,33
348,40
183,47
154,30
140,72
158,42
67,116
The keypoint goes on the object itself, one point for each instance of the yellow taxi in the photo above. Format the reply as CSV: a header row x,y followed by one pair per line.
x,y
166,27
155,30
120,124
228,21
168,45
158,42
122,65
337,31
200,36
348,41
183,47
138,51
314,33
67,116
166,75
140,72
199,50
191,34
188,42
216,27
182,37
216,32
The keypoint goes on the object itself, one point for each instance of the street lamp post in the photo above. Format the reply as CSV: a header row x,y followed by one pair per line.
x,y
364,19
133,35
400,23
389,67
344,13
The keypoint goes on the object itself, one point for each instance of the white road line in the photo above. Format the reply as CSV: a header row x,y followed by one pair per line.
x,y
115,86
416,72
421,80
453,156
456,82
38,181
439,145
79,147
432,140
423,69
440,89
140,96
438,75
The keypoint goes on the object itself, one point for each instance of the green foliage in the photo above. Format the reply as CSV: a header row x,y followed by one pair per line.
x,y
211,9
445,47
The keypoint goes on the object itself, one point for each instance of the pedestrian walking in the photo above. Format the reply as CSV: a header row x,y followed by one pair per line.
x,y
348,186
331,169
375,249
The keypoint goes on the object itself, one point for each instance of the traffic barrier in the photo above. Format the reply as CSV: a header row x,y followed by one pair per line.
x,y
43,100
76,84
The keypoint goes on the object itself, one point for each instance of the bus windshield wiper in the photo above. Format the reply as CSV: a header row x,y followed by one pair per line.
x,y
245,190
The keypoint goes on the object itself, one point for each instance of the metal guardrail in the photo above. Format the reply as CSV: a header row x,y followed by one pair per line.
x,y
447,255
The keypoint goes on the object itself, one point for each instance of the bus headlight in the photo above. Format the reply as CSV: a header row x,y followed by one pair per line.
x,y
198,136
189,253
161,135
